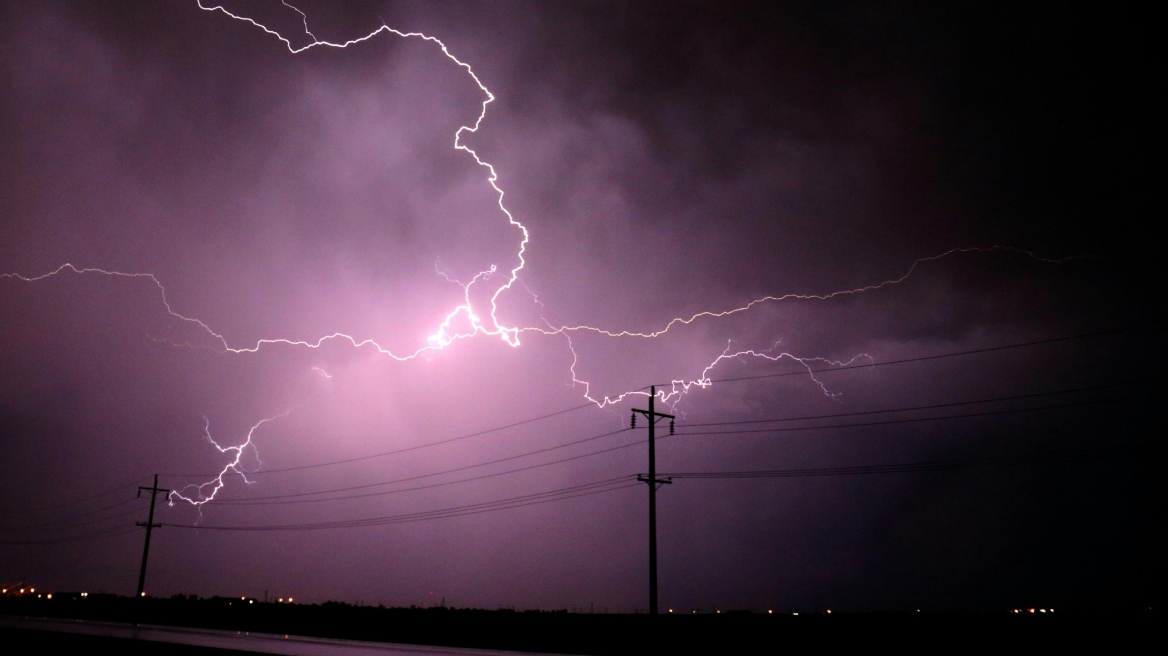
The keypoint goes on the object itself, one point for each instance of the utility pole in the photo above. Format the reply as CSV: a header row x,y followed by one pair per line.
x,y
653,483
150,525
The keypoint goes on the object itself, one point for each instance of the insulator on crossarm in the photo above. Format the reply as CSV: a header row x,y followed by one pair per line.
x,y
671,427
633,421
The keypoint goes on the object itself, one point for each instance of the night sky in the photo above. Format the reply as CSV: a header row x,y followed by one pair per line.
x,y
993,164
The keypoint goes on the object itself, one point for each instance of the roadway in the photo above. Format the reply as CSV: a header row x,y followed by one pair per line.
x,y
259,643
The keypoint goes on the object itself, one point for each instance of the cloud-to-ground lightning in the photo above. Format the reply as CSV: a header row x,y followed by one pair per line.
x,y
485,320
199,496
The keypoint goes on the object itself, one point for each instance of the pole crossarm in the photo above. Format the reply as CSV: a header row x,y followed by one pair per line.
x,y
659,481
646,413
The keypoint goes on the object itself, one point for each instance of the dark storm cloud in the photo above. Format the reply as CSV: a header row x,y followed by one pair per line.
x,y
667,160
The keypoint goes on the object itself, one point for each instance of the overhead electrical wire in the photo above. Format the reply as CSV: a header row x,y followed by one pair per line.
x,y
931,407
916,419
451,470
298,497
262,501
1125,451
938,356
560,494
620,483
281,498
70,520
587,405
74,502
274,498
111,532
415,447
106,519
72,526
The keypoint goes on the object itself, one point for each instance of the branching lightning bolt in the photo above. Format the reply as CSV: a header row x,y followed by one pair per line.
x,y
490,322
442,337
199,496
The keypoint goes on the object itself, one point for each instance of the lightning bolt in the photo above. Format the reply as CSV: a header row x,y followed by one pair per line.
x,y
199,496
680,387
708,314
442,337
487,321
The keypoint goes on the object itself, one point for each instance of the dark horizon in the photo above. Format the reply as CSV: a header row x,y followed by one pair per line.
x,y
889,263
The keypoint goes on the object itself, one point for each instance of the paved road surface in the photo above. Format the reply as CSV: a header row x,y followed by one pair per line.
x,y
262,643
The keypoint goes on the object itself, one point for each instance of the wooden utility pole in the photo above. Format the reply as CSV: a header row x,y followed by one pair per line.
x,y
150,525
653,483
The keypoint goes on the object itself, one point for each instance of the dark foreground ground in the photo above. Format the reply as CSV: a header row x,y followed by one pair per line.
x,y
1117,630
29,642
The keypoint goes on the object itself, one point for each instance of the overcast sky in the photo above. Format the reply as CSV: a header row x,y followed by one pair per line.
x,y
990,164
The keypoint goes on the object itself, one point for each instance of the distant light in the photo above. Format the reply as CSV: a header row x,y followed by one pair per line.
x,y
1031,610
32,589
143,593
49,596
289,599
280,600
1042,610
84,594
769,612
829,611
243,598
5,590
22,591
1052,610
794,613
718,612
671,610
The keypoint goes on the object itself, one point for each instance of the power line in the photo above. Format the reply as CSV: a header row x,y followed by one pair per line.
x,y
429,444
445,471
297,497
582,406
408,448
1126,451
106,519
1116,452
614,484
560,494
920,419
71,520
716,380
75,501
33,529
250,502
111,532
930,407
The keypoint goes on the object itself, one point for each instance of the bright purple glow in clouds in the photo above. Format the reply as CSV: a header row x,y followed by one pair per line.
x,y
271,249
